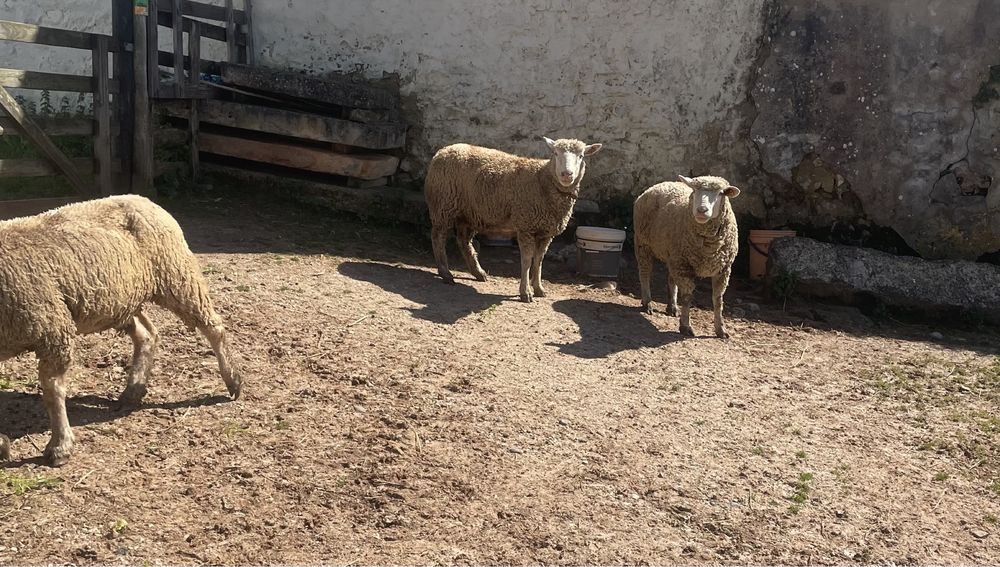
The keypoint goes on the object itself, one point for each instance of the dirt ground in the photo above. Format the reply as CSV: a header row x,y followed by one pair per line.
x,y
390,418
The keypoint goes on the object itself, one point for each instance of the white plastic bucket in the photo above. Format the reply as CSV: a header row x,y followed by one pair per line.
x,y
599,251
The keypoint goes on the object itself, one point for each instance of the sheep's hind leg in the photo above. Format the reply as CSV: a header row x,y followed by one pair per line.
x,y
644,258
541,247
144,340
439,242
527,245
719,285
465,234
53,364
685,289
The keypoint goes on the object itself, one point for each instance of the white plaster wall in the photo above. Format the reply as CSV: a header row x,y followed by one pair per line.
x,y
657,81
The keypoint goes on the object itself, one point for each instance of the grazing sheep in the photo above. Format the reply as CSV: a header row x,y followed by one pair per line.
x,y
89,267
474,189
690,227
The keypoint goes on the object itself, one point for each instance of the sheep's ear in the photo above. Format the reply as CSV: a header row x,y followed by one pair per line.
x,y
550,143
732,192
592,149
686,180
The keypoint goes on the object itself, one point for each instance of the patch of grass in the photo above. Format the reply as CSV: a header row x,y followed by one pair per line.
x,y
282,425
489,310
800,455
119,526
13,383
759,451
801,489
234,429
243,288
991,519
995,486
941,477
17,484
210,269
783,286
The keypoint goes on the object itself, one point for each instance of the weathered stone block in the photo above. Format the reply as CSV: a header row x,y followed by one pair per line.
x,y
855,275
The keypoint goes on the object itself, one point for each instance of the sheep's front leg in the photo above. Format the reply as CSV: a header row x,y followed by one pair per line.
x,y
644,257
685,290
52,368
439,242
4,448
144,341
719,285
527,245
671,295
465,234
541,247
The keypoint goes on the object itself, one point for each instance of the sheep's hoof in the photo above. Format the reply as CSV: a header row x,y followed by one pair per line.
x,y
57,456
539,292
481,276
4,448
647,308
687,331
133,394
447,277
722,333
525,297
235,385
672,310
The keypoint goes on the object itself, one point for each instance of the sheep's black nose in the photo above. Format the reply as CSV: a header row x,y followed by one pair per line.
x,y
703,209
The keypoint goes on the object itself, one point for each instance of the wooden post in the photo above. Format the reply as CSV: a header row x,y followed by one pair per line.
x,y
194,52
248,13
41,141
231,34
124,107
152,49
102,117
142,166
178,29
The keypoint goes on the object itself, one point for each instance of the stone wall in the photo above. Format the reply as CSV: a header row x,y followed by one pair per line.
x,y
874,116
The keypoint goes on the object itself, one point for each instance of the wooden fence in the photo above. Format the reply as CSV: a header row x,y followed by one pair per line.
x,y
88,177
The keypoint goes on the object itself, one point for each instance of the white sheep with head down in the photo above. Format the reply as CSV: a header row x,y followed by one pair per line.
x,y
689,225
90,267
474,189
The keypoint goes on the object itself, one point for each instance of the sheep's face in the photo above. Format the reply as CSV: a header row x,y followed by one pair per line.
x,y
708,196
567,157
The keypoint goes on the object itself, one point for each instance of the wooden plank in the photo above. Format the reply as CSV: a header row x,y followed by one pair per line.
x,y
394,203
102,118
47,81
124,105
51,126
231,47
248,33
361,166
23,167
331,90
42,142
208,12
178,50
209,31
295,124
167,60
142,134
27,33
29,207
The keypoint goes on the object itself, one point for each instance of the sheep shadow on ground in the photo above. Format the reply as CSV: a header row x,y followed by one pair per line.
x,y
26,414
440,302
609,328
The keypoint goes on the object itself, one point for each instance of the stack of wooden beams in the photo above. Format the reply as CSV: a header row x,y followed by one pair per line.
x,y
333,125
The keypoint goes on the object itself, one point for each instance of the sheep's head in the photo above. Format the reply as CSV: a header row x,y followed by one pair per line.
x,y
708,196
567,157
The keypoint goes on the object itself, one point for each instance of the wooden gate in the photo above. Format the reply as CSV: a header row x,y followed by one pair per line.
x,y
108,169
